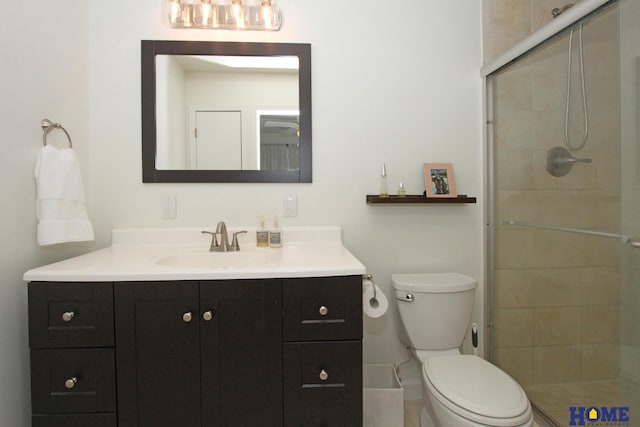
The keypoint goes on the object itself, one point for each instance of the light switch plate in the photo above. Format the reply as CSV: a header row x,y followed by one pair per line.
x,y
290,205
169,207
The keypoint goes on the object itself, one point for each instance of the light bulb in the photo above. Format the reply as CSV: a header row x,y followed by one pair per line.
x,y
267,14
175,11
237,13
269,18
206,15
187,15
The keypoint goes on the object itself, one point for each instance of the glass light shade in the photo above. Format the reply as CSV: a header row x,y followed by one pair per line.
x,y
215,14
267,16
207,15
175,12
236,16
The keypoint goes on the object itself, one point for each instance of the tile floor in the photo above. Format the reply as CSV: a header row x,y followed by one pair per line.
x,y
412,410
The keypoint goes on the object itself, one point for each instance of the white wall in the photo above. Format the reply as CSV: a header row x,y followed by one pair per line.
x,y
44,73
401,88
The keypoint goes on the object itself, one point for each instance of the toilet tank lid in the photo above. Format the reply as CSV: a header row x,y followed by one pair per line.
x,y
433,282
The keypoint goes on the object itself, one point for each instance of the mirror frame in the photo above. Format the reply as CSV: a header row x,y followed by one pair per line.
x,y
151,48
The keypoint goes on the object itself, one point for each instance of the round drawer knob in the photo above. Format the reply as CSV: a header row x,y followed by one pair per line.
x,y
207,315
67,316
324,375
71,382
323,311
187,317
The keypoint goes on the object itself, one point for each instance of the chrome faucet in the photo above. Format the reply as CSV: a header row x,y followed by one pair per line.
x,y
223,245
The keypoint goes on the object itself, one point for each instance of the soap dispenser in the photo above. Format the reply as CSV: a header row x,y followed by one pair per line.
x,y
275,234
384,192
262,234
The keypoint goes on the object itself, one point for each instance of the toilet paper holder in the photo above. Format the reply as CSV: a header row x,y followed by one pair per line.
x,y
374,300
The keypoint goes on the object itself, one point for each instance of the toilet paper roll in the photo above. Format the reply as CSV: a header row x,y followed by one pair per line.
x,y
373,307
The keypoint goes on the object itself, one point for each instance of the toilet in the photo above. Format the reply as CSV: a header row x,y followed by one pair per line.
x,y
458,390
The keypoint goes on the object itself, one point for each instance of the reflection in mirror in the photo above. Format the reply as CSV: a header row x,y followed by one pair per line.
x,y
226,112
278,139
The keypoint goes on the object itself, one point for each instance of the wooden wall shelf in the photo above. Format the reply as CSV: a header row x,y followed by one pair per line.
x,y
415,199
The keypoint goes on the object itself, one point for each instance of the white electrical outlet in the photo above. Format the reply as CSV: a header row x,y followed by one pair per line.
x,y
290,206
169,207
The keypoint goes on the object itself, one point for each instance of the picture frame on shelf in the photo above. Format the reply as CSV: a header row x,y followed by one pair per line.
x,y
439,180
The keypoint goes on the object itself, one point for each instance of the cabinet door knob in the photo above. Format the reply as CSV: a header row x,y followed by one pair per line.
x,y
67,316
324,375
207,315
323,311
187,317
71,382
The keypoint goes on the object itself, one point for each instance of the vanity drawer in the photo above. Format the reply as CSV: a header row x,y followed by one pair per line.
x,y
323,384
322,308
70,315
75,420
73,381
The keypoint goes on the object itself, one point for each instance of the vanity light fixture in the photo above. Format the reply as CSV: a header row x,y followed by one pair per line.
x,y
224,14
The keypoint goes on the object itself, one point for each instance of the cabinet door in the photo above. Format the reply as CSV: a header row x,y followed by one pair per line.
x,y
158,354
241,353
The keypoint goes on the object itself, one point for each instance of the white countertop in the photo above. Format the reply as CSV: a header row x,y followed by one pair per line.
x,y
138,254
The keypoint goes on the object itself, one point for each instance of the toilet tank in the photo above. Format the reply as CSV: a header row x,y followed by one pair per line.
x,y
435,308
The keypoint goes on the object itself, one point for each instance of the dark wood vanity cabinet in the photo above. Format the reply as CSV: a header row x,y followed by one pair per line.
x,y
263,352
71,337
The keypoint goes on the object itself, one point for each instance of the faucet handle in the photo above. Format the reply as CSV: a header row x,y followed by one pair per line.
x,y
234,243
214,239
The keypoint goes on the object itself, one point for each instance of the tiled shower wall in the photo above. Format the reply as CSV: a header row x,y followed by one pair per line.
x,y
556,304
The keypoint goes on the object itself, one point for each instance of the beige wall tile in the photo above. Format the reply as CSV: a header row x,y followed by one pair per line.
x,y
557,325
513,288
513,129
553,249
600,362
514,248
597,251
508,15
557,287
496,43
517,362
516,205
541,12
557,364
600,324
600,286
514,90
549,91
548,129
513,169
513,327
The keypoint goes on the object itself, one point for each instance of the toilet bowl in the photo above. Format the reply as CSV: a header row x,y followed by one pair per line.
x,y
458,390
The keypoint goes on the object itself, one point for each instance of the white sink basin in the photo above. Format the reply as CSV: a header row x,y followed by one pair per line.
x,y
215,260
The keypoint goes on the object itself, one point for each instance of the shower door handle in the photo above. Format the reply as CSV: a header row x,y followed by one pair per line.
x,y
634,244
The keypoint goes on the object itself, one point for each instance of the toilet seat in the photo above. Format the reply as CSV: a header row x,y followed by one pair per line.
x,y
476,390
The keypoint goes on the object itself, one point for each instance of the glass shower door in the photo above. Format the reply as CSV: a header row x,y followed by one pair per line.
x,y
565,283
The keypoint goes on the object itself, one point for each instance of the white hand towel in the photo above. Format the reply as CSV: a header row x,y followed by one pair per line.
x,y
60,205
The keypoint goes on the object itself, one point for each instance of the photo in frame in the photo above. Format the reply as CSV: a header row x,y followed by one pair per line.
x,y
439,180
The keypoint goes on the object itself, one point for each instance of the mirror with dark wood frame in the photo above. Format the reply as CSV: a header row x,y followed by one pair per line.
x,y
298,170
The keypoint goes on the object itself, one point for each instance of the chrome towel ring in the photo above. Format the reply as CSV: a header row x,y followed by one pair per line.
x,y
48,126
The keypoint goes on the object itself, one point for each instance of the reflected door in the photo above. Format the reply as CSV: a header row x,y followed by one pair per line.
x,y
218,140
